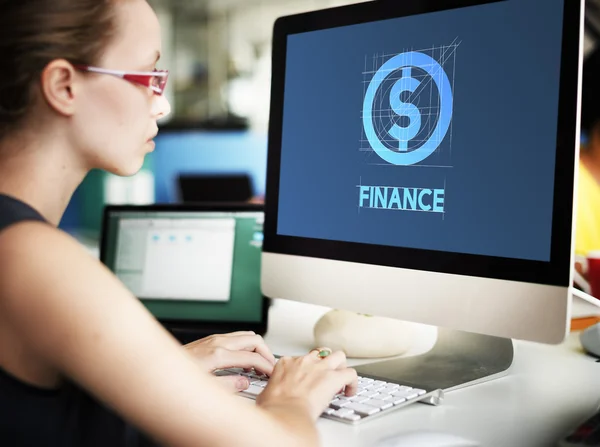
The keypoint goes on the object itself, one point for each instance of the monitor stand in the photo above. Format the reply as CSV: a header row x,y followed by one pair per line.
x,y
458,359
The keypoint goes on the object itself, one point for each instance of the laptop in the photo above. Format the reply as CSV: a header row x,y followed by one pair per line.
x,y
196,267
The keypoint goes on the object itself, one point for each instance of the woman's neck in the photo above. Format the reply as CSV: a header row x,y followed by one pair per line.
x,y
41,175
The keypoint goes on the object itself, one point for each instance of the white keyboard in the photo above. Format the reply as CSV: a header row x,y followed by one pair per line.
x,y
373,398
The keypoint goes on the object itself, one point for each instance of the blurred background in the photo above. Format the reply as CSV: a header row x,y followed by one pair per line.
x,y
213,146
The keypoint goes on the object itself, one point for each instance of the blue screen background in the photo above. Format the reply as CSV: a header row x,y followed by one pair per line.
x,y
496,162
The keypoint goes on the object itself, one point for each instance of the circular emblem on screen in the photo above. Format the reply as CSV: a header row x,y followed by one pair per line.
x,y
407,108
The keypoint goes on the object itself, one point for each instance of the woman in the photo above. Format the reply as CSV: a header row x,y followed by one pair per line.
x,y
72,369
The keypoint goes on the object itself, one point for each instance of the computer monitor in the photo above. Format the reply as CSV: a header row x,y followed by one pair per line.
x,y
421,162
195,267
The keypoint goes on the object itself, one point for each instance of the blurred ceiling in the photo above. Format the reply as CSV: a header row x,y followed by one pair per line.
x,y
190,10
203,7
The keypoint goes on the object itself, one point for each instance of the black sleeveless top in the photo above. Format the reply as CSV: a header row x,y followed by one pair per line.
x,y
67,416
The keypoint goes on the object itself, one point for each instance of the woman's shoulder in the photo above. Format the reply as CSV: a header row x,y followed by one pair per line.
x,y
37,260
13,211
26,236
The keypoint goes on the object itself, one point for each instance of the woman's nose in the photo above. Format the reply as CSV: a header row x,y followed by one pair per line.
x,y
160,107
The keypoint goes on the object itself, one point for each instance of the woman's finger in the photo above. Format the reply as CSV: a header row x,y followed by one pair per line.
x,y
234,383
347,378
247,343
225,358
336,360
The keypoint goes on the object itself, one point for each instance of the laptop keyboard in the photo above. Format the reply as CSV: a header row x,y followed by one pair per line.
x,y
373,398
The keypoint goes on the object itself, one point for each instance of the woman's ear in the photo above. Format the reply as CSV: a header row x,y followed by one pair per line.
x,y
57,85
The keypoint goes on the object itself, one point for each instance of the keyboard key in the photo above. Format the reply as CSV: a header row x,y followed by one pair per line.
x,y
339,403
342,412
223,372
359,399
387,391
398,400
352,417
254,390
362,409
369,394
409,394
377,403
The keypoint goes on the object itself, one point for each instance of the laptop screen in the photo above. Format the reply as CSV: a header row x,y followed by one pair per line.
x,y
189,265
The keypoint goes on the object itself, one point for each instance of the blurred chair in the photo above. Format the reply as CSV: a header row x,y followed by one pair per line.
x,y
215,187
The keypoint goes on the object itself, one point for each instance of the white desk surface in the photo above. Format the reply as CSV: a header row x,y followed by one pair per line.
x,y
549,390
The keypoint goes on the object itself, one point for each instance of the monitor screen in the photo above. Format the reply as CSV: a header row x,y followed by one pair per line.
x,y
189,265
434,131
421,162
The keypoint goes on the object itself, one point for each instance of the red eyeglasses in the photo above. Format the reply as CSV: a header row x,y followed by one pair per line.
x,y
156,80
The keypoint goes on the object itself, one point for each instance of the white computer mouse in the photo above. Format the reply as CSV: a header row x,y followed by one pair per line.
x,y
425,438
590,339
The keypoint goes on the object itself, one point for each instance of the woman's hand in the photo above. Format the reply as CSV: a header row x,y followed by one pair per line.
x,y
235,350
312,379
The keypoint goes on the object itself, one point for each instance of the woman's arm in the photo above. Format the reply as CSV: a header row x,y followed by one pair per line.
x,y
82,320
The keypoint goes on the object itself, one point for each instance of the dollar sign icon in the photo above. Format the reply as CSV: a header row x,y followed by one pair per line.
x,y
404,134
407,83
